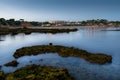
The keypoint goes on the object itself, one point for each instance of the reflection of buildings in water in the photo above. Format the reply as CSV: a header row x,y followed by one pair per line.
x,y
20,36
50,35
70,36
93,32
73,35
90,32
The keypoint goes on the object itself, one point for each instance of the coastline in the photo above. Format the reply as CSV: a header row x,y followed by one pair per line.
x,y
59,27
52,29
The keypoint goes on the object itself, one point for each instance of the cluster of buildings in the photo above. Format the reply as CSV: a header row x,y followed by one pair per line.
x,y
58,23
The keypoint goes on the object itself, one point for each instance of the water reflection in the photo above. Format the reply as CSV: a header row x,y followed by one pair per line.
x,y
96,41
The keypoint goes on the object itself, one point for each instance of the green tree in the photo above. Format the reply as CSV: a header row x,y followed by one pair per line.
x,y
2,21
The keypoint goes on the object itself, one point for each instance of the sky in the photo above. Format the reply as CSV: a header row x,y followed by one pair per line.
x,y
69,10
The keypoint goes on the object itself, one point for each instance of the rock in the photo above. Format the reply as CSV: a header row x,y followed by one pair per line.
x,y
12,63
63,51
50,44
35,72
1,75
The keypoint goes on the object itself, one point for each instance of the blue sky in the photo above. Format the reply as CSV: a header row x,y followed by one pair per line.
x,y
70,10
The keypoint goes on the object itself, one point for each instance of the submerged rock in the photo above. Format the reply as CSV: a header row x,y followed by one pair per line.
x,y
41,60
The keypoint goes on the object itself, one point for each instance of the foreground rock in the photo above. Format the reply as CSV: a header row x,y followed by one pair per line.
x,y
65,52
1,75
34,72
12,63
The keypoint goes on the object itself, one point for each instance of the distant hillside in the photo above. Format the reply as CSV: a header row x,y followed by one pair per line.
x,y
22,23
16,23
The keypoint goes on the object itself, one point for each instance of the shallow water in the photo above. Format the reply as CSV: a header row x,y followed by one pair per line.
x,y
95,41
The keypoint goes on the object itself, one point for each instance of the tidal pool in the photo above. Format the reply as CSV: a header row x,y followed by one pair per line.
x,y
92,40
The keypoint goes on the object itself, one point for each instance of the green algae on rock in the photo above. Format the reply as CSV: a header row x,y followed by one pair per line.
x,y
64,52
34,72
2,75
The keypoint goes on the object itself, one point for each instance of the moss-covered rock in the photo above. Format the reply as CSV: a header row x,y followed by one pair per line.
x,y
1,75
64,52
34,72
12,63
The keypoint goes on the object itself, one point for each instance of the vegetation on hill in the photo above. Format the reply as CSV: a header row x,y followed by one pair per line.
x,y
98,22
18,23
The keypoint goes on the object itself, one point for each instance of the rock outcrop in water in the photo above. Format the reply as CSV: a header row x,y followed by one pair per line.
x,y
12,63
64,52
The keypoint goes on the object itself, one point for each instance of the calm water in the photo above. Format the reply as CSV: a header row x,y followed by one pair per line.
x,y
95,41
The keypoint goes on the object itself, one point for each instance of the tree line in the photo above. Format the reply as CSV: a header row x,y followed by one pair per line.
x,y
21,22
98,22
15,23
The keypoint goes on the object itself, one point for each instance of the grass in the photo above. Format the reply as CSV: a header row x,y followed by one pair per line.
x,y
28,31
34,72
64,52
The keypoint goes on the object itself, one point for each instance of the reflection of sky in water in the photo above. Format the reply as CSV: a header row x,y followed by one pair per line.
x,y
91,40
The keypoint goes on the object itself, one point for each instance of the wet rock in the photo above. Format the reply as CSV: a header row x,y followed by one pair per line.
x,y
50,44
63,51
34,72
12,63
1,75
